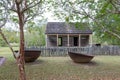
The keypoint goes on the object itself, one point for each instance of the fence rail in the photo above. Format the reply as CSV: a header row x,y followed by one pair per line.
x,y
63,51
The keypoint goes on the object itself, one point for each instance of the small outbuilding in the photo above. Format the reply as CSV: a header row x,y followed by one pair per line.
x,y
68,34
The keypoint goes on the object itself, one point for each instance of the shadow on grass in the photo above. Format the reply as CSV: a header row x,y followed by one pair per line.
x,y
35,62
91,63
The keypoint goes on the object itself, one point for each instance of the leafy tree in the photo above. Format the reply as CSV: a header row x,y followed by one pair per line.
x,y
3,19
2,42
34,35
21,11
11,36
103,16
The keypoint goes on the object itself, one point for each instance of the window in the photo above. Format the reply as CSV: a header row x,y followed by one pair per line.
x,y
60,41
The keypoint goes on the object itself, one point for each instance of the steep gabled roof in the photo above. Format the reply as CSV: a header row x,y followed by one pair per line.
x,y
67,28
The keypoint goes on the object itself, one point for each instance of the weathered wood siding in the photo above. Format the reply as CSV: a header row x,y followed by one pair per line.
x,y
64,40
84,40
51,40
63,51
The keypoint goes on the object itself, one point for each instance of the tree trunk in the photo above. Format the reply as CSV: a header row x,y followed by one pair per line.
x,y
20,59
5,39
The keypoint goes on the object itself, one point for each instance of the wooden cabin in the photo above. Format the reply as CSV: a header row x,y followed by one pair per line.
x,y
67,34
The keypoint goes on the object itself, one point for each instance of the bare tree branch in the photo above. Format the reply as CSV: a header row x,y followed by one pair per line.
x,y
97,22
13,8
31,6
112,33
112,2
4,15
4,22
30,17
5,39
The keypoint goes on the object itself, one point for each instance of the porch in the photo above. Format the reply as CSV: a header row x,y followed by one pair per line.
x,y
68,40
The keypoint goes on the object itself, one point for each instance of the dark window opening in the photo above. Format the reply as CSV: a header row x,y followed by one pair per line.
x,y
60,41
75,41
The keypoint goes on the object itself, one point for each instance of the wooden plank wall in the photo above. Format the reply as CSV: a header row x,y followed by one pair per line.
x,y
63,51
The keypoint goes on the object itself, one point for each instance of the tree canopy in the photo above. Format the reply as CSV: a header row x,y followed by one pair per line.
x,y
103,16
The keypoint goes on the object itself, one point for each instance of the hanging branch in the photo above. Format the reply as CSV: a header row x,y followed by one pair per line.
x,y
114,4
5,39
84,13
97,22
5,15
31,5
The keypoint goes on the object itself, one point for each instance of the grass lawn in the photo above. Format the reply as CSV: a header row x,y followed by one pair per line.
x,y
62,68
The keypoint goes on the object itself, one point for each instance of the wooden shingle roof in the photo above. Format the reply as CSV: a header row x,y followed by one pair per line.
x,y
65,28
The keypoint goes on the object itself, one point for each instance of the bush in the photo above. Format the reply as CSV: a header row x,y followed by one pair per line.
x,y
2,43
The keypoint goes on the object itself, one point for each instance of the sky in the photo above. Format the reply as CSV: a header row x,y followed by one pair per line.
x,y
51,18
48,15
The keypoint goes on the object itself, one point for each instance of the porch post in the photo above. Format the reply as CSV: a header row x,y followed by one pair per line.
x,y
68,40
90,39
79,40
57,40
46,40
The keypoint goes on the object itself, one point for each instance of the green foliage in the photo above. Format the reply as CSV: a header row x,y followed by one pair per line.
x,y
35,35
11,35
3,13
2,42
102,17
80,25
67,19
110,21
15,19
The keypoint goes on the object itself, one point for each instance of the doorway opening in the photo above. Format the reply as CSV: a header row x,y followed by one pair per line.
x,y
75,41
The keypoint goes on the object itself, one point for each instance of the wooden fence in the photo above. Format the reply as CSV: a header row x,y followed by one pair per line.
x,y
63,51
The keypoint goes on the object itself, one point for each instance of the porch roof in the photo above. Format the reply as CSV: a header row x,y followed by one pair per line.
x,y
65,28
